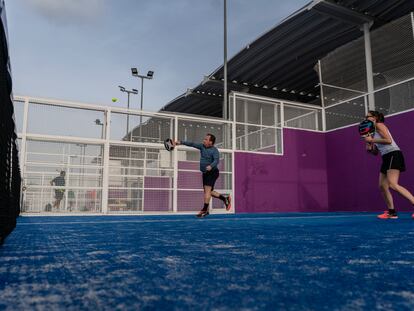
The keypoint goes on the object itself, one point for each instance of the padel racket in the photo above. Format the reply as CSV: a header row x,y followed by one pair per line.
x,y
366,128
168,144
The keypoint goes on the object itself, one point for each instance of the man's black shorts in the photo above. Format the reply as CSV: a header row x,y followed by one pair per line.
x,y
59,194
393,161
210,177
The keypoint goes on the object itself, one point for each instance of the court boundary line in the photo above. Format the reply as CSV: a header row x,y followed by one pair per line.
x,y
187,220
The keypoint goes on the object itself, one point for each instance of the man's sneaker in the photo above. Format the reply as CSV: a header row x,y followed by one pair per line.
x,y
387,215
228,203
202,214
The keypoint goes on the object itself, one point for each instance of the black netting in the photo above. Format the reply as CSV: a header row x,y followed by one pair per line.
x,y
393,52
343,71
9,160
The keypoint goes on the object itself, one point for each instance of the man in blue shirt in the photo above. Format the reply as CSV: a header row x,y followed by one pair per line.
x,y
209,160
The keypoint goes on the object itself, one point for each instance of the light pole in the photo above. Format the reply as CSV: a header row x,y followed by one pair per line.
x,y
149,76
226,110
225,105
133,91
99,122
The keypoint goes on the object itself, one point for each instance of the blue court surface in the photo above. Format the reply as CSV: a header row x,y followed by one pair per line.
x,y
336,261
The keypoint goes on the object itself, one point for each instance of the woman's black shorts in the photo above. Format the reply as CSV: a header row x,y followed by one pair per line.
x,y
393,160
210,177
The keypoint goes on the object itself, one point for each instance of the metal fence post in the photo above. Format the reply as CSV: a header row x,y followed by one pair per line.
x,y
322,96
366,104
175,176
368,64
282,125
23,151
105,160
233,155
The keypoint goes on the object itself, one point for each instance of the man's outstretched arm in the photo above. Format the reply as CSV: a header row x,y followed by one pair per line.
x,y
189,143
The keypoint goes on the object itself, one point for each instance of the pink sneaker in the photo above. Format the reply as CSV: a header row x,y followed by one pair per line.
x,y
228,203
387,216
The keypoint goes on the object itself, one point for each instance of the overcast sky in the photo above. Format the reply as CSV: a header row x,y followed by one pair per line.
x,y
81,50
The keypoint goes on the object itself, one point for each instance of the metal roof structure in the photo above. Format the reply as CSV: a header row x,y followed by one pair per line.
x,y
280,63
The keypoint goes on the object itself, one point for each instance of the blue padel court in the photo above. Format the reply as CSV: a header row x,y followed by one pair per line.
x,y
320,261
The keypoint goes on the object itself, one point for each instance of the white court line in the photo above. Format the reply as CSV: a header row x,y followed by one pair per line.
x,y
187,220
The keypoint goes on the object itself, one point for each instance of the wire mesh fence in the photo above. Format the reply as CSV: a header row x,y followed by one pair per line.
x,y
343,71
110,170
112,160
348,112
62,176
49,119
259,121
140,179
393,52
343,74
190,195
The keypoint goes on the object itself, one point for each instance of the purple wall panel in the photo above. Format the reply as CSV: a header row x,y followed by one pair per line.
x,y
189,165
321,172
189,180
353,173
157,200
190,200
294,182
157,182
193,200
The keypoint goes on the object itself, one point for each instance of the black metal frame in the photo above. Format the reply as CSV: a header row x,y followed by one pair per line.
x,y
10,179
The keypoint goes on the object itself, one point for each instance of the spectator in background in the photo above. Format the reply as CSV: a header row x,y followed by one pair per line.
x,y
59,181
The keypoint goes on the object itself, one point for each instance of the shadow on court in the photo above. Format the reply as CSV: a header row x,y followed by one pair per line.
x,y
256,262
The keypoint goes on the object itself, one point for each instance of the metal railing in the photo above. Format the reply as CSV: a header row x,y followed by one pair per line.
x,y
108,170
111,171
